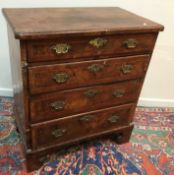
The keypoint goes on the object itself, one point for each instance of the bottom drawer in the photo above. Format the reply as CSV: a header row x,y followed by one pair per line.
x,y
82,125
37,158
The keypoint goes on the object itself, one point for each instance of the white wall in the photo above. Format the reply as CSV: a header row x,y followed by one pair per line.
x,y
158,89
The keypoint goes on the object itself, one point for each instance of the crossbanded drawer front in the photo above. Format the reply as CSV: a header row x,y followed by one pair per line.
x,y
82,125
48,78
38,157
61,104
72,48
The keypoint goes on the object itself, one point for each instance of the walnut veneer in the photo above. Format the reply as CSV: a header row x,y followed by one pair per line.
x,y
77,74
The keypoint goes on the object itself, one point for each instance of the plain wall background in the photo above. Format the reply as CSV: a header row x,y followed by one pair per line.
x,y
158,88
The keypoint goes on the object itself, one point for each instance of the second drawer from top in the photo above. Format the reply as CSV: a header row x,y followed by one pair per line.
x,y
48,78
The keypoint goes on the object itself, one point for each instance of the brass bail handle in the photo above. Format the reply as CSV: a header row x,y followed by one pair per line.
x,y
58,105
130,43
61,77
58,132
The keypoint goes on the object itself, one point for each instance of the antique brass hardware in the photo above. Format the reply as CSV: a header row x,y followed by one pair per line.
x,y
114,119
126,68
94,68
118,92
130,43
91,93
87,118
58,105
98,42
61,48
58,132
61,77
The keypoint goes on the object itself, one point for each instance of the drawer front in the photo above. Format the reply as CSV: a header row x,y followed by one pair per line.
x,y
36,158
71,75
72,48
75,127
65,103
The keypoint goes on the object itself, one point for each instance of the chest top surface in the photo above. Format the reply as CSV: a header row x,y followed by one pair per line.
x,y
28,23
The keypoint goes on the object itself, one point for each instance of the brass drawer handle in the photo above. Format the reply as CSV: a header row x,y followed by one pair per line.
x,y
58,105
61,77
94,68
114,119
91,93
58,132
87,118
130,43
126,68
61,48
98,42
118,92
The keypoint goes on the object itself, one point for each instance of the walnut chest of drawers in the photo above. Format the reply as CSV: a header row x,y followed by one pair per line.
x,y
77,74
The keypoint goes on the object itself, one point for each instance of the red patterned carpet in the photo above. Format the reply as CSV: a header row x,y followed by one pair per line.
x,y
150,151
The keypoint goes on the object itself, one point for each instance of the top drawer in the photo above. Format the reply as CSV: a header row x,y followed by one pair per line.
x,y
73,48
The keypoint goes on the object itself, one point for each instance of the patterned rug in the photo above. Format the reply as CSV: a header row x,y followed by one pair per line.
x,y
150,151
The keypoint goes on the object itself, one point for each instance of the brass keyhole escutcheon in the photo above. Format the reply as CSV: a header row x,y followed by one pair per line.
x,y
61,48
114,119
118,93
94,68
91,93
126,68
87,118
98,42
58,132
